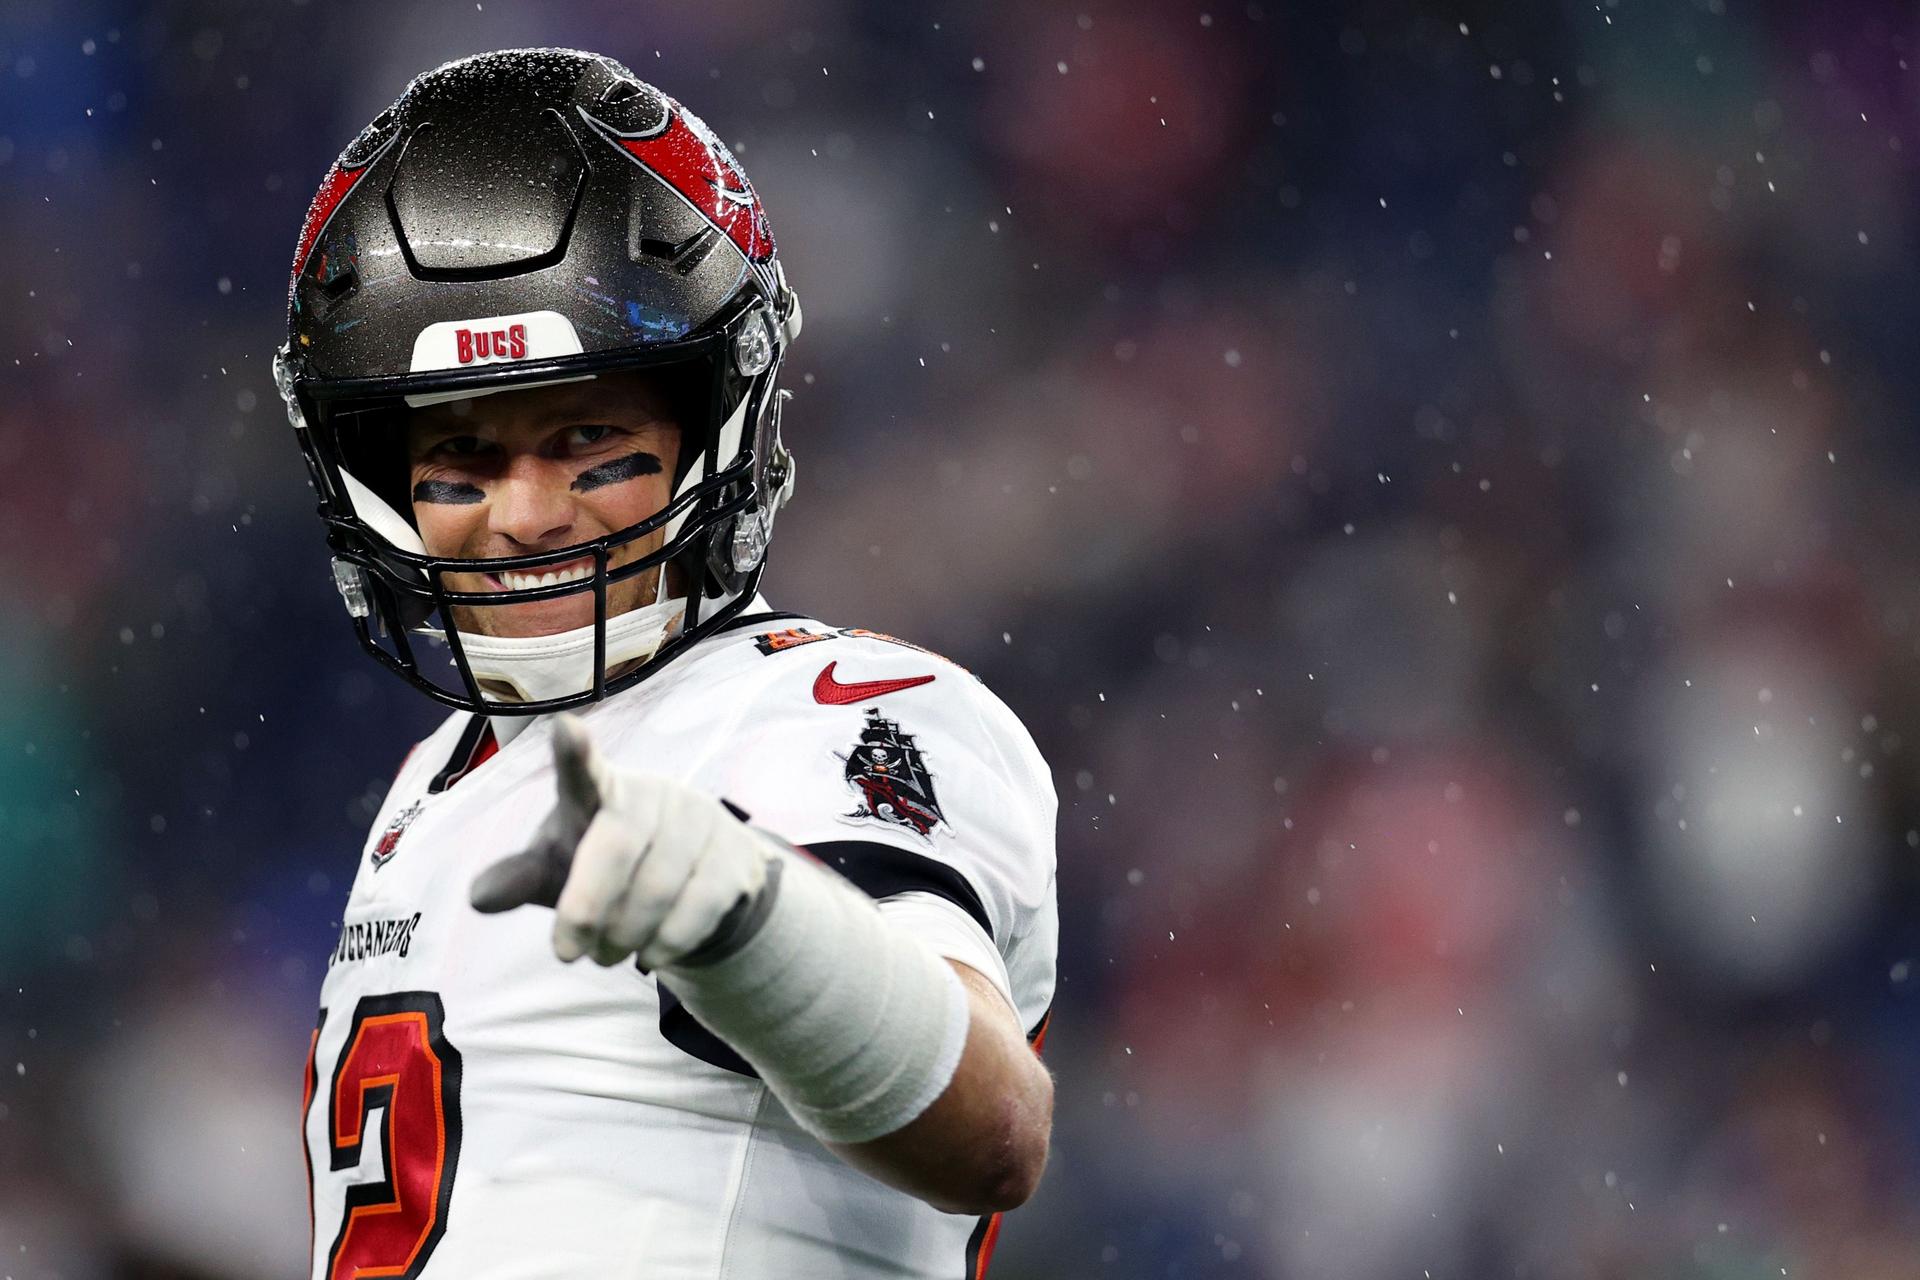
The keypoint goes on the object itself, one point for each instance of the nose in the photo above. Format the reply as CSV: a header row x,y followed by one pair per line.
x,y
531,504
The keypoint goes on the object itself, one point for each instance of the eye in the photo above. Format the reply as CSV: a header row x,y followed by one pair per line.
x,y
589,434
461,447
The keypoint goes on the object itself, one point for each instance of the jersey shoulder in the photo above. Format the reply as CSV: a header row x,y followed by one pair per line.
x,y
811,663
897,768
812,671
776,699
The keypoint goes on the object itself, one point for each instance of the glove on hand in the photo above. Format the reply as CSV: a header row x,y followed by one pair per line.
x,y
631,863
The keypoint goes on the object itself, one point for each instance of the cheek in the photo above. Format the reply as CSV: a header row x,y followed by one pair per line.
x,y
618,506
446,527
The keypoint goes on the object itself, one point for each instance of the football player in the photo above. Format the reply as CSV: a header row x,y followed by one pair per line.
x,y
535,327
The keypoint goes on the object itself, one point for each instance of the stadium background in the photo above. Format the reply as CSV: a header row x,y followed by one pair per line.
x,y
1436,480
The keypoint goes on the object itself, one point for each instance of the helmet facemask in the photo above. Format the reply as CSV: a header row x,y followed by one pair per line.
x,y
713,530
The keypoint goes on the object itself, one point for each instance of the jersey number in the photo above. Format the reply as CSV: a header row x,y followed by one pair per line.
x,y
396,1061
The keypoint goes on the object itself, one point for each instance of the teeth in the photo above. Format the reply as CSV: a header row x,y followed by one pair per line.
x,y
524,581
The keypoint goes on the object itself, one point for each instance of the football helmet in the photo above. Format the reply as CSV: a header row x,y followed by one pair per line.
x,y
518,219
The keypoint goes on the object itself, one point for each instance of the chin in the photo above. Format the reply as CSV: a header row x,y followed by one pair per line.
x,y
540,618
544,618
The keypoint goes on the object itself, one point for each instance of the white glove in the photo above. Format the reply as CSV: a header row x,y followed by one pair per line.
x,y
632,863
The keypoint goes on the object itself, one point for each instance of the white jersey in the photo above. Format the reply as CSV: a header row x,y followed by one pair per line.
x,y
478,1110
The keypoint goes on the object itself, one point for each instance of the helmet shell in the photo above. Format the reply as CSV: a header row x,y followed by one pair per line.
x,y
522,182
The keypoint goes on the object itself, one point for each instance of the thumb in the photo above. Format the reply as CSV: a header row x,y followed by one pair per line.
x,y
578,769
533,876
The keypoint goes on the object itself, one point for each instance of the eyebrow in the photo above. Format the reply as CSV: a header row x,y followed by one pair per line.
x,y
423,437
586,411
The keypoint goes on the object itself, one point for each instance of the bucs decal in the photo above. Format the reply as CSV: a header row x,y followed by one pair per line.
x,y
485,340
509,343
885,770
389,841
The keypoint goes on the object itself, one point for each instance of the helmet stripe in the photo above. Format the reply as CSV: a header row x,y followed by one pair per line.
x,y
690,159
334,188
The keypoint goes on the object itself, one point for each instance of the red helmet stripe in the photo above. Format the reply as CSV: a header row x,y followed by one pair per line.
x,y
333,189
697,167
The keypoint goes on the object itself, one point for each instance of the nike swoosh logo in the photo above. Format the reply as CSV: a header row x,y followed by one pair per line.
x,y
832,693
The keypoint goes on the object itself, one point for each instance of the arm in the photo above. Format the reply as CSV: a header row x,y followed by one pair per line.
x,y
981,1146
911,1068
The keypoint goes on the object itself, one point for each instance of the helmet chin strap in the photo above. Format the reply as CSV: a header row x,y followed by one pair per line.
x,y
534,668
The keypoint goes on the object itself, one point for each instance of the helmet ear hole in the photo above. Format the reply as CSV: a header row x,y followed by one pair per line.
x,y
337,290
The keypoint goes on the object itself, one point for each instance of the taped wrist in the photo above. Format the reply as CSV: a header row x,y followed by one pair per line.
x,y
854,1024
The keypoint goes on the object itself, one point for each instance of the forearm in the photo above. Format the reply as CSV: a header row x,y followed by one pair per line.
x,y
982,1145
912,1069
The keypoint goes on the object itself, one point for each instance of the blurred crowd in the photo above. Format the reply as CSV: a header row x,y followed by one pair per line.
x,y
1437,481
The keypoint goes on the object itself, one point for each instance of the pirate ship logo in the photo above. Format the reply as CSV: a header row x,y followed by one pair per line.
x,y
893,784
390,838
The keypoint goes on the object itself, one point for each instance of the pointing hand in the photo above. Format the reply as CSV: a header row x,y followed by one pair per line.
x,y
631,863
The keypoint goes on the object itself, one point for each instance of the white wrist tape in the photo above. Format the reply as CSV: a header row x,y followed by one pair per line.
x,y
853,1023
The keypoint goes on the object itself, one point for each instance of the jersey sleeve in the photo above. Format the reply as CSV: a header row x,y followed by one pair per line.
x,y
903,773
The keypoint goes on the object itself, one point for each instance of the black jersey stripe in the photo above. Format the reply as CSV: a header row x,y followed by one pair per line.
x,y
882,870
461,759
989,1226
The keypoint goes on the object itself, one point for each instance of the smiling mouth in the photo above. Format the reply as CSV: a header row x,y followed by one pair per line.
x,y
571,571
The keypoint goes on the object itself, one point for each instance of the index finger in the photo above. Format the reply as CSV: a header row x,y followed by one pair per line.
x,y
577,768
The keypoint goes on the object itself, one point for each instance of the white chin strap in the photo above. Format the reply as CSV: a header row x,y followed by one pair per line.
x,y
535,668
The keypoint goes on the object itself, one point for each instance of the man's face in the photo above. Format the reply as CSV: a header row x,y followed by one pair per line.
x,y
535,470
